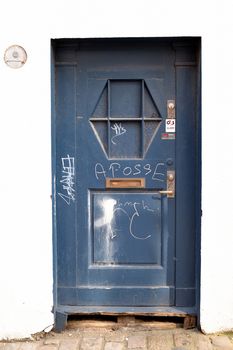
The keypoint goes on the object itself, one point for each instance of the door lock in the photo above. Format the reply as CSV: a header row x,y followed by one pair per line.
x,y
170,191
171,109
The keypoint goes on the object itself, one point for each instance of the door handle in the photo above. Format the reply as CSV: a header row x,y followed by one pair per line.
x,y
170,191
166,192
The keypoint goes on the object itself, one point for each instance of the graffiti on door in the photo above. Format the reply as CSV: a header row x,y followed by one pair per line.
x,y
155,171
67,180
135,212
119,130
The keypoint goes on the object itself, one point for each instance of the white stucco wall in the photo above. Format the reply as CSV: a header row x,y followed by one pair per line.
x,y
25,224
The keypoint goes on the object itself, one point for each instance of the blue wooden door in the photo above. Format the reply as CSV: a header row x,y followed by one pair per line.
x,y
116,239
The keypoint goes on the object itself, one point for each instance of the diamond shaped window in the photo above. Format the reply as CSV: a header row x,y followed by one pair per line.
x,y
125,119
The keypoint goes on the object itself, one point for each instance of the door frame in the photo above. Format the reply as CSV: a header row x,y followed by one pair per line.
x,y
61,313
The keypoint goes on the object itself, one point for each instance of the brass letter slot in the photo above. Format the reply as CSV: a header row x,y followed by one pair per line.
x,y
125,183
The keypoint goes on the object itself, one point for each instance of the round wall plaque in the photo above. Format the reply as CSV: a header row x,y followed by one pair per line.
x,y
15,56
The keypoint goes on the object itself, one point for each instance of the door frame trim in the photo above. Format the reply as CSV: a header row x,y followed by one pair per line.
x,y
58,309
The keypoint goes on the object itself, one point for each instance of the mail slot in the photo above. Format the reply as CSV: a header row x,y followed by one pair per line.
x,y
125,183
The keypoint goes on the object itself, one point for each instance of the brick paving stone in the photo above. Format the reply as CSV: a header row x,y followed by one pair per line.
x,y
29,346
115,337
95,339
136,341
10,346
91,343
69,344
222,342
48,347
184,340
192,340
114,346
202,342
160,341
51,341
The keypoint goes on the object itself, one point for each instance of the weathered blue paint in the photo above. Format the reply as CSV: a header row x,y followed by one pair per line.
x,y
53,165
186,99
124,247
198,184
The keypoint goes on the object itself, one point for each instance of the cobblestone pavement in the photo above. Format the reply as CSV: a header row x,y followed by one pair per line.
x,y
123,338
